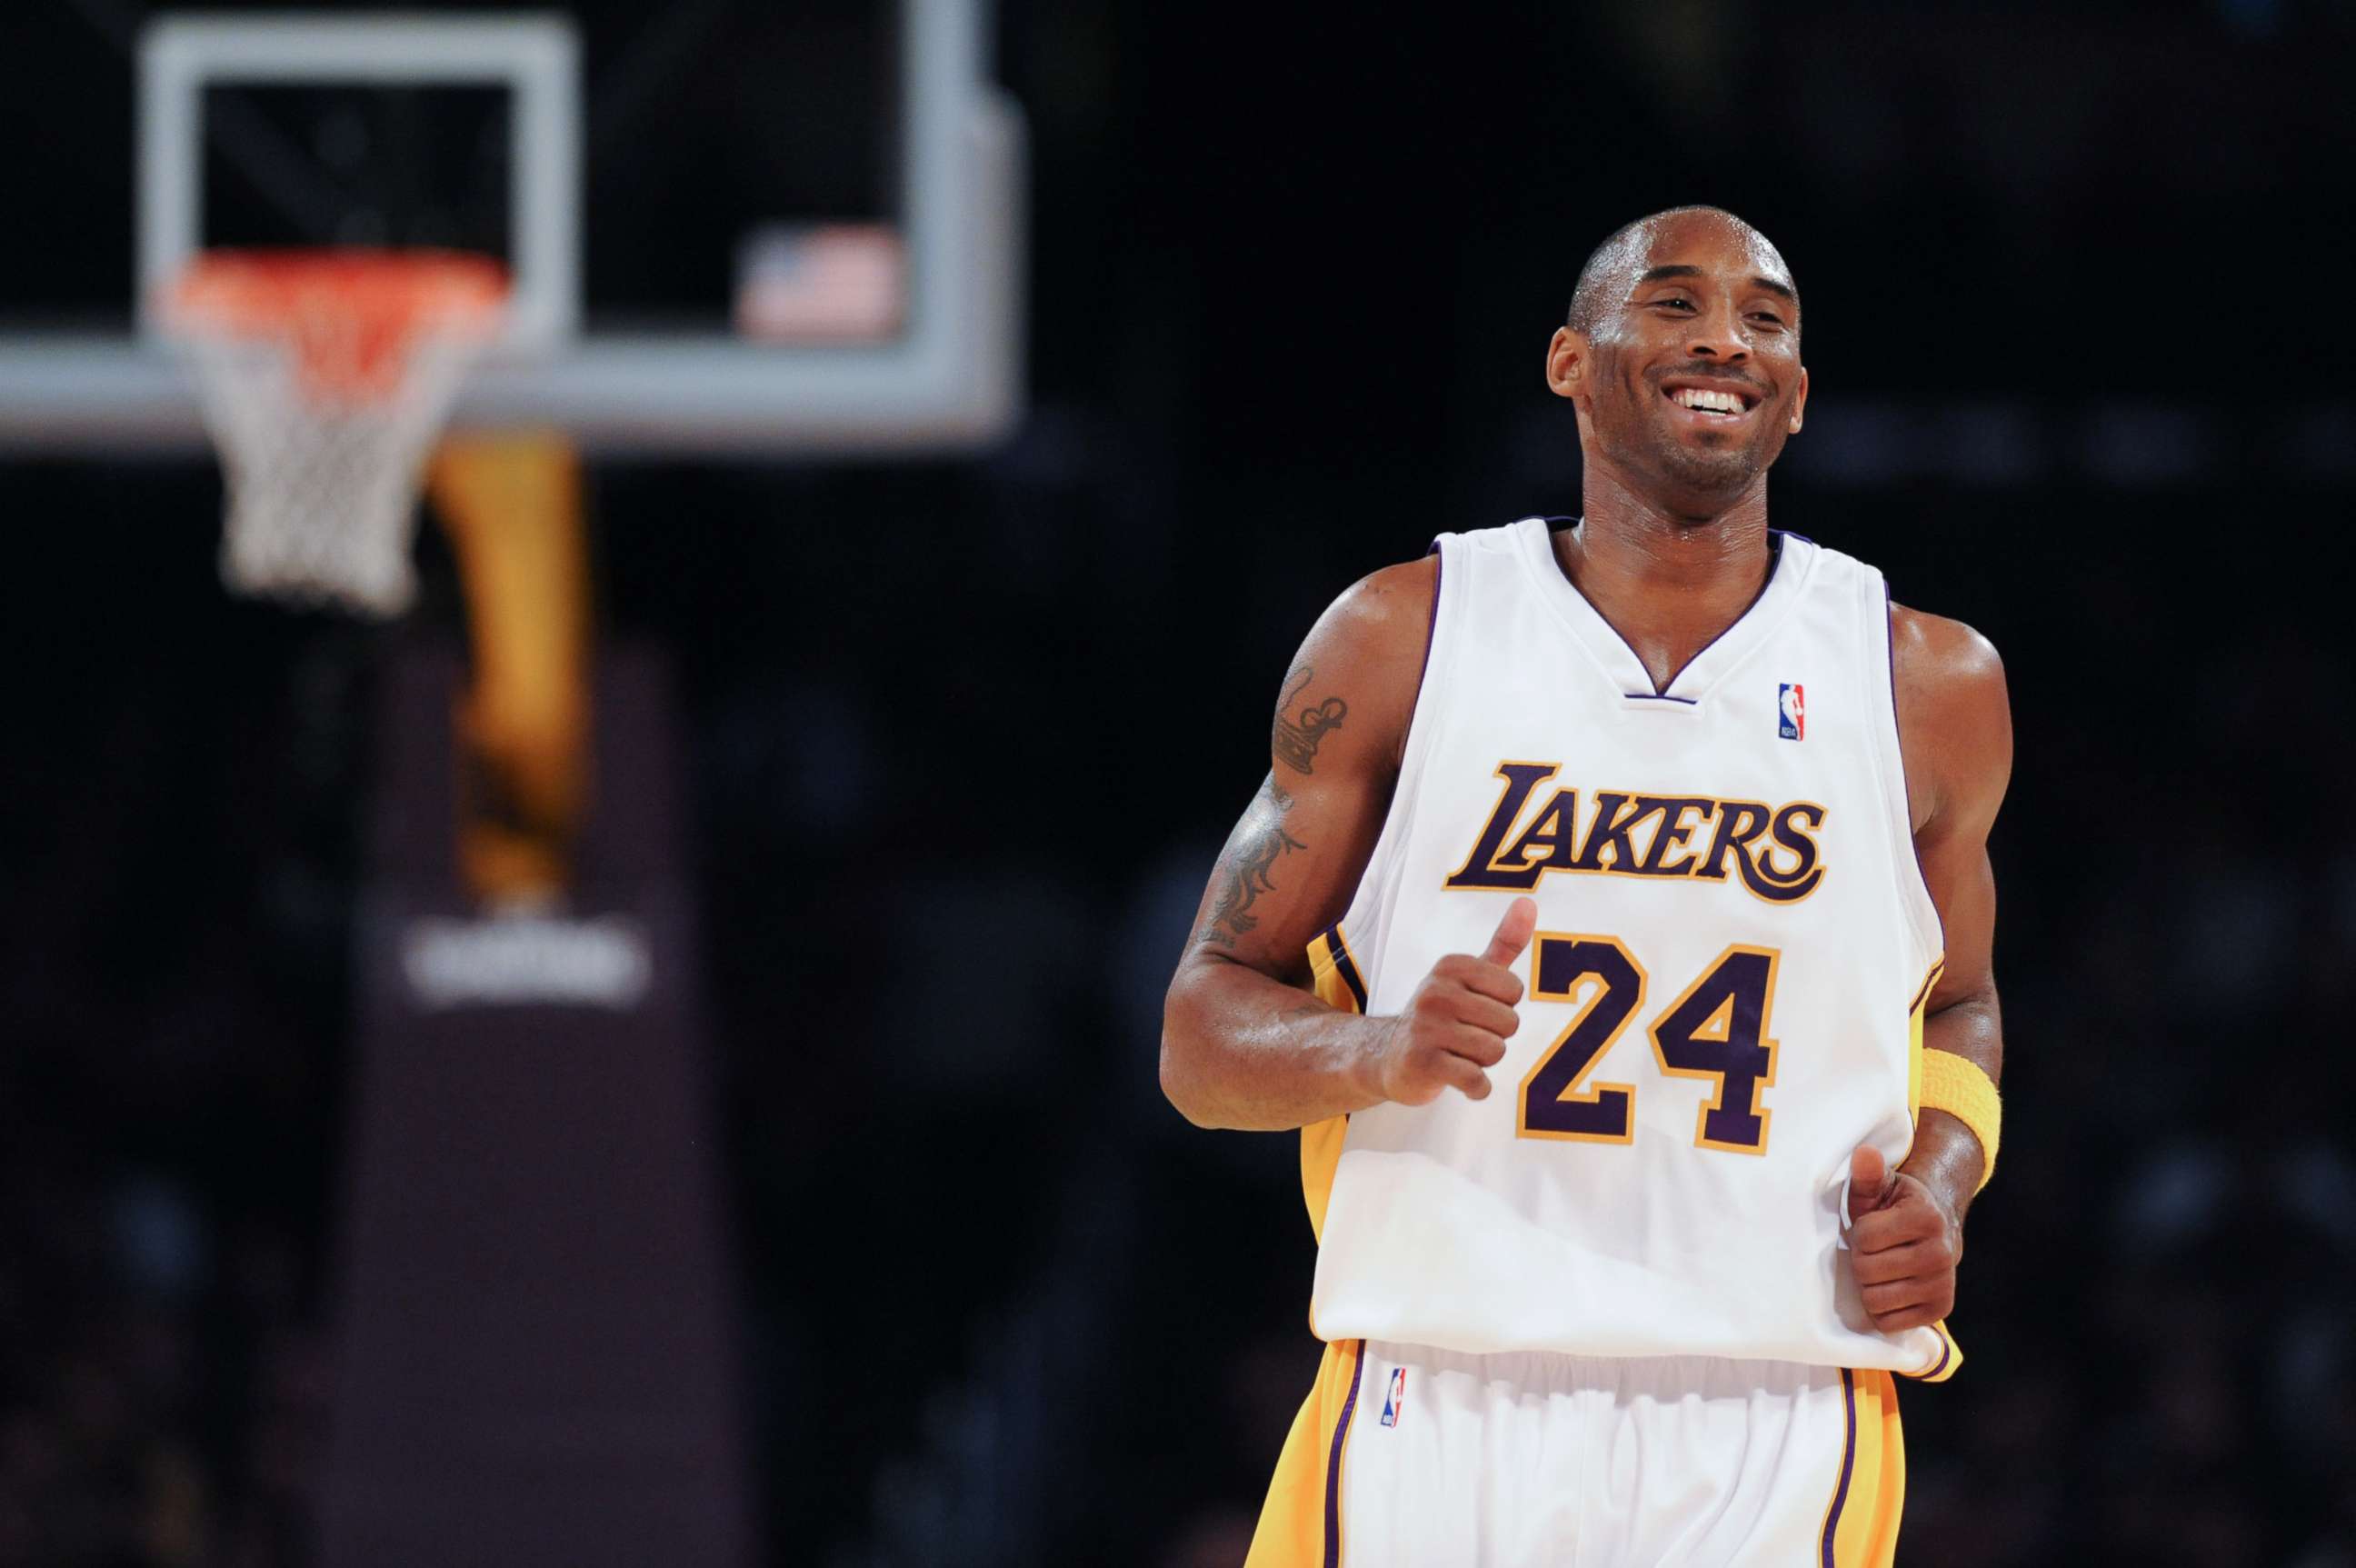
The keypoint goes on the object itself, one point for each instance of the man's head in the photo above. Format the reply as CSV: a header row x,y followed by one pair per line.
x,y
1682,354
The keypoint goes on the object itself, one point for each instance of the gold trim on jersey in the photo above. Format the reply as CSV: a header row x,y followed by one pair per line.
x,y
1340,984
1916,1011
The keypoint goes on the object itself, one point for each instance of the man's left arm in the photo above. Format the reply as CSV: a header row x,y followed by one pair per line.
x,y
1954,728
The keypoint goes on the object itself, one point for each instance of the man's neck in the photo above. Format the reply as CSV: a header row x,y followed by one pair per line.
x,y
1668,581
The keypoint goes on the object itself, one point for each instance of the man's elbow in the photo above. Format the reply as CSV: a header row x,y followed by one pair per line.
x,y
1178,1087
1182,1084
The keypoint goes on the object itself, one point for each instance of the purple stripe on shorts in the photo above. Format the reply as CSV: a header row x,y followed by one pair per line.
x,y
1849,1462
1333,1464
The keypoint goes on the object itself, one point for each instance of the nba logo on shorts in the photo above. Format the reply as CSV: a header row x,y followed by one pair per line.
x,y
1396,1397
1790,713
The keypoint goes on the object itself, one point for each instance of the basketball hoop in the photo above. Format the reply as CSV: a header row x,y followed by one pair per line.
x,y
324,377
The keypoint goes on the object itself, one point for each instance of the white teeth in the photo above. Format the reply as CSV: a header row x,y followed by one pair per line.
x,y
1713,402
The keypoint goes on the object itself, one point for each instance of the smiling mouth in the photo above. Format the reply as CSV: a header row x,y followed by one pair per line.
x,y
1713,403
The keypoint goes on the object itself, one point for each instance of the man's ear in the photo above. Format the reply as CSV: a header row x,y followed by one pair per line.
x,y
1566,362
1800,402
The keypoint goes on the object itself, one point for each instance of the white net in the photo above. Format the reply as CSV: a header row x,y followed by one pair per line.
x,y
324,413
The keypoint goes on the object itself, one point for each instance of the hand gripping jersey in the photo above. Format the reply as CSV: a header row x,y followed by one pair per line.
x,y
1725,990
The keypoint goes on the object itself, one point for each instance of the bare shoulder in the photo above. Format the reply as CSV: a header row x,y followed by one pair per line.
x,y
1363,660
1952,674
1385,608
1955,715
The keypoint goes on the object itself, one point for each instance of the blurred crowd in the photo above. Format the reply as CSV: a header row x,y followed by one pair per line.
x,y
173,961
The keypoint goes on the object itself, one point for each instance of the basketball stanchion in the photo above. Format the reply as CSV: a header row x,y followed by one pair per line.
x,y
325,376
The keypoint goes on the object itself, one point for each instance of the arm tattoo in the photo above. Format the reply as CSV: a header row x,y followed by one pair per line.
x,y
1296,738
1258,843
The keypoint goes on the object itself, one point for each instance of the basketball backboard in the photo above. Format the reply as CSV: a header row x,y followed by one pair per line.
x,y
731,227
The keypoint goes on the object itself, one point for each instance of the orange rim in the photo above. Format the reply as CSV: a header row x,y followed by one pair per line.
x,y
351,316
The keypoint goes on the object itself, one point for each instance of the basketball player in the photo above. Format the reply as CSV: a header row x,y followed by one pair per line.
x,y
1639,866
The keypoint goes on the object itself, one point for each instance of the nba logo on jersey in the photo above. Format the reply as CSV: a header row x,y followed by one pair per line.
x,y
1790,713
1396,1397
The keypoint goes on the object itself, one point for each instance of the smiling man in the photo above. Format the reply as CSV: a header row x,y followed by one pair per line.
x,y
1638,866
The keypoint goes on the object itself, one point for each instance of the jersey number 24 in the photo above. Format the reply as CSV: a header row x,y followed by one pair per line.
x,y
1716,1031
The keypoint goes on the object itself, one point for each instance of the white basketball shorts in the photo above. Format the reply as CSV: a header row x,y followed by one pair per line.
x,y
1410,1457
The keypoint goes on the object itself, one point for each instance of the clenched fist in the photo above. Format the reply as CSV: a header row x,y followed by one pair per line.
x,y
1457,1023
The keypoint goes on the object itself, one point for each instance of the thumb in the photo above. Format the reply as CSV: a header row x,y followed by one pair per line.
x,y
1867,1175
1512,932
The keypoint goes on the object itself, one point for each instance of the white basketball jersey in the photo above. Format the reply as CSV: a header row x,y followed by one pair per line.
x,y
1734,946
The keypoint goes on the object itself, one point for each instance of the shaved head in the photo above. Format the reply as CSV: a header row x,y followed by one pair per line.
x,y
1682,356
1613,265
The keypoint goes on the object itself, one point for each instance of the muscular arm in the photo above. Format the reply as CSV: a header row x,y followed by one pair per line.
x,y
1242,1044
1955,725
1955,730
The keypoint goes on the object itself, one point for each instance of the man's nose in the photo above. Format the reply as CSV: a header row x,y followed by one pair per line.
x,y
1717,336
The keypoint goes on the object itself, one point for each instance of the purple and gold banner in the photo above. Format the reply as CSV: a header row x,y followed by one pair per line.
x,y
539,1345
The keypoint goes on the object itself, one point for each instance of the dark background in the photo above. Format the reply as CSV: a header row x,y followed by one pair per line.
x,y
965,735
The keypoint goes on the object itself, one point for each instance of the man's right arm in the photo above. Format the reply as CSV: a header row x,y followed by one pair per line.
x,y
1242,1046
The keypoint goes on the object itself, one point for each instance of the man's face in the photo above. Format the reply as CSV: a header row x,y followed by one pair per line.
x,y
1692,377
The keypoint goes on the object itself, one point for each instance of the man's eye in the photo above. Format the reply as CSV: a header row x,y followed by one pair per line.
x,y
1678,304
1769,317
